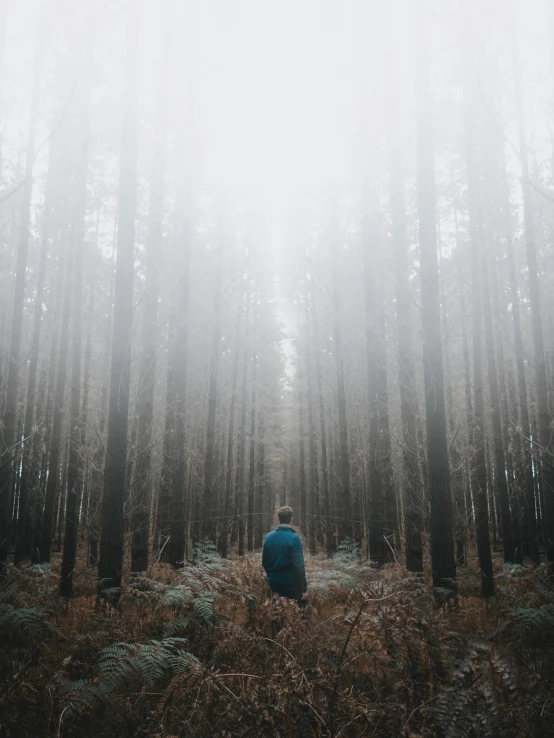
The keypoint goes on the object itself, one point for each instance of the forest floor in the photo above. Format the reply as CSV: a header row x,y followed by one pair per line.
x,y
191,653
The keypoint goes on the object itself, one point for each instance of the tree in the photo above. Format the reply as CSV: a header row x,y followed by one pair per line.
x,y
8,436
75,469
544,418
147,369
476,235
333,234
111,541
442,542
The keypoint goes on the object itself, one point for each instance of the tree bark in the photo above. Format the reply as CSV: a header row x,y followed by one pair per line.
x,y
8,430
111,542
147,370
345,522
442,541
209,463
543,412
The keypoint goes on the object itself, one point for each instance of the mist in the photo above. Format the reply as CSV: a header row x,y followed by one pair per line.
x,y
255,256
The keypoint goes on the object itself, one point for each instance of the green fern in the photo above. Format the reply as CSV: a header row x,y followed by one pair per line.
x,y
202,614
528,623
126,668
175,597
205,552
18,622
349,550
325,581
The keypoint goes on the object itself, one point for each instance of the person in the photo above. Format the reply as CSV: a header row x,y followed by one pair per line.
x,y
283,562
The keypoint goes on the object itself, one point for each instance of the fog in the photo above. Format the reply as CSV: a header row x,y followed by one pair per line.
x,y
259,254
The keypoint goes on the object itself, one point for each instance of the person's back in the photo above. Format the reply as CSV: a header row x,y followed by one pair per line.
x,y
283,559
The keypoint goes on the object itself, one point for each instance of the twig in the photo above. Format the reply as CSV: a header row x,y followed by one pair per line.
x,y
391,548
413,712
279,644
162,548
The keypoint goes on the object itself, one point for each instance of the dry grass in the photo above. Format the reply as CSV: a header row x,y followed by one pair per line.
x,y
379,658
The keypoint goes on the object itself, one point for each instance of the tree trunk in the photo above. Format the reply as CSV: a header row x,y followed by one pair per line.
x,y
75,470
311,431
329,541
147,370
252,455
475,236
8,431
45,539
345,523
242,443
442,541
111,542
227,507
498,442
209,464
543,413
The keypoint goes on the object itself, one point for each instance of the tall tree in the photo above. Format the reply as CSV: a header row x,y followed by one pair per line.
x,y
209,462
111,542
243,419
227,509
476,234
404,327
543,409
333,234
8,429
442,541
75,468
147,369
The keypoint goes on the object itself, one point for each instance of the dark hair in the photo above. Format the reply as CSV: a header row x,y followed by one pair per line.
x,y
284,514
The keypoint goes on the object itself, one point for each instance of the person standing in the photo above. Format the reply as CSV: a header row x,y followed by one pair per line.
x,y
283,562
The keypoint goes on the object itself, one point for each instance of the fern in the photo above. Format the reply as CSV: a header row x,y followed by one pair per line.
x,y
125,668
325,581
205,552
530,623
16,622
202,614
175,597
349,550
471,705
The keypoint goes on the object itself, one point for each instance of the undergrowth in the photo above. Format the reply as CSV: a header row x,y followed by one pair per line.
x,y
191,653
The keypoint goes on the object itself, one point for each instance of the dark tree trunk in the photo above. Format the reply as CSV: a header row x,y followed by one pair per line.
x,y
345,523
242,444
252,455
75,470
498,441
8,429
543,412
329,540
23,544
302,497
111,542
45,539
311,431
227,506
261,492
182,252
209,464
442,541
147,370
375,383
475,236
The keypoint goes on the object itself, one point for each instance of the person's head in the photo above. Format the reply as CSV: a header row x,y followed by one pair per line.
x,y
284,514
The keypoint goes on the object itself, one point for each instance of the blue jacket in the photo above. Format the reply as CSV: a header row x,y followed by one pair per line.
x,y
283,561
